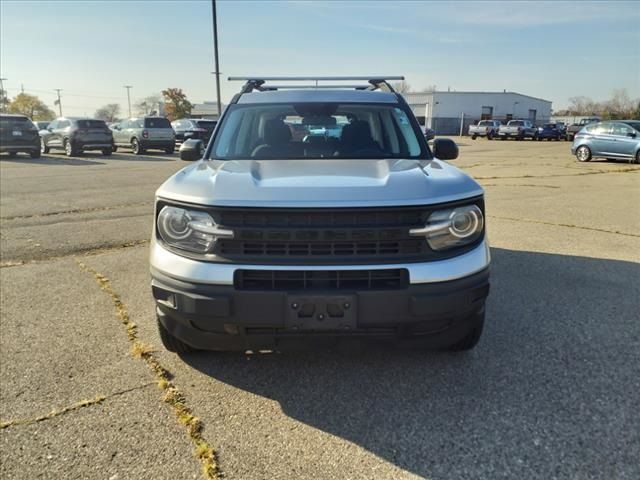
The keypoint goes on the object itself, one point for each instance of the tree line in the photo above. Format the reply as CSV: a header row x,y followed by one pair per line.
x,y
619,106
173,100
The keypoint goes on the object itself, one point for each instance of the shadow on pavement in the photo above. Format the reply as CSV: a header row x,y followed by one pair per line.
x,y
550,392
147,157
51,160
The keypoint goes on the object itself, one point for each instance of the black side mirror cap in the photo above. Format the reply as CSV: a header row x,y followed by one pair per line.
x,y
191,150
445,149
632,134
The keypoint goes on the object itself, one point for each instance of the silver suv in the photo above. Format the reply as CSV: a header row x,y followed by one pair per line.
x,y
319,215
142,134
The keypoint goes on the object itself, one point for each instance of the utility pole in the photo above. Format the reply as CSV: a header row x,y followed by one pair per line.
x,y
129,87
59,102
22,88
215,51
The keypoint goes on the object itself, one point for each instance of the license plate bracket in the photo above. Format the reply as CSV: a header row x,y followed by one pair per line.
x,y
321,312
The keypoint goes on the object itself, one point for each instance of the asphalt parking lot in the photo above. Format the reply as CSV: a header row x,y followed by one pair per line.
x,y
550,392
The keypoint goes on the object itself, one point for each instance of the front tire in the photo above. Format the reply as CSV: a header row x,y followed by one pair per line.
x,y
170,342
637,157
114,148
473,336
169,150
136,149
583,153
489,136
34,153
43,147
69,150
12,154
473,137
107,151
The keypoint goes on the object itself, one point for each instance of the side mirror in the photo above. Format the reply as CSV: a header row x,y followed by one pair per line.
x,y
632,134
445,149
49,129
191,150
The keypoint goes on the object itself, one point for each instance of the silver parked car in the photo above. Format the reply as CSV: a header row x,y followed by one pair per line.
x,y
145,133
285,234
616,139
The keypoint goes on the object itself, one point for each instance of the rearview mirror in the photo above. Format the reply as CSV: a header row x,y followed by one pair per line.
x,y
445,149
191,150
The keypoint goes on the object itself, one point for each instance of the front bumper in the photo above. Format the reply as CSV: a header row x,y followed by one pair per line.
x,y
198,303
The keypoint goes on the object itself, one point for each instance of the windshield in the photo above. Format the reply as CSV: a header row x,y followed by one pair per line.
x,y
634,125
317,130
92,124
484,123
516,123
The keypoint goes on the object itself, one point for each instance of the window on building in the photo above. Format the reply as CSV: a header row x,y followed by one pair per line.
x,y
487,113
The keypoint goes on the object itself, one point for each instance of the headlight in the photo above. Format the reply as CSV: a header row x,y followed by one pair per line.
x,y
453,227
189,229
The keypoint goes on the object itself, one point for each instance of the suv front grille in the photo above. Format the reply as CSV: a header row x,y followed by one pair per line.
x,y
387,279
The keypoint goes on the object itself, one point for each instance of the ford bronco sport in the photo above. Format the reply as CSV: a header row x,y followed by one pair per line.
x,y
319,214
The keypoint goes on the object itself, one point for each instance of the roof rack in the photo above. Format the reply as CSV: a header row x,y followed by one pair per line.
x,y
374,83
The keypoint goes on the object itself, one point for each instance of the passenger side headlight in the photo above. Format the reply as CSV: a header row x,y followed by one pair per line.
x,y
453,227
190,230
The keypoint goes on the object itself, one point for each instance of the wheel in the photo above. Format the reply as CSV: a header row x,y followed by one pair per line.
x,y
503,138
107,151
114,148
136,149
637,157
473,137
69,150
34,153
570,138
43,147
13,154
489,136
473,337
169,150
583,153
539,139
535,137
170,342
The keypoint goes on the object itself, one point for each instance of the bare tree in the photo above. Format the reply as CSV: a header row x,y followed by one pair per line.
x,y
429,89
147,104
401,87
108,113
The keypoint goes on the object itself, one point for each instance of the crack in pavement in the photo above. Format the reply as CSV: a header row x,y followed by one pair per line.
x,y
172,395
540,222
75,406
87,253
594,172
76,210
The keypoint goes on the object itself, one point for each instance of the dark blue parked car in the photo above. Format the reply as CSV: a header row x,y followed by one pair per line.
x,y
550,131
616,139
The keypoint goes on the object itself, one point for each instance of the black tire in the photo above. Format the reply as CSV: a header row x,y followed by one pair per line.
x,y
489,136
170,150
107,151
473,336
12,154
637,157
69,149
503,138
473,137
570,138
34,154
43,147
170,342
136,149
114,148
583,153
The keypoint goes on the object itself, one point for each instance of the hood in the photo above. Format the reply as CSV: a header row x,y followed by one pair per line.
x,y
319,183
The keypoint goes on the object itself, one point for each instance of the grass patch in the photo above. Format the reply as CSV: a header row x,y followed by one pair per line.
x,y
172,395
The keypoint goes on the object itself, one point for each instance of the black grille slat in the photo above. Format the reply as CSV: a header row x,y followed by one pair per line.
x,y
291,280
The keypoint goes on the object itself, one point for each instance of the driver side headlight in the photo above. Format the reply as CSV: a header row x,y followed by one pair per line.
x,y
453,227
190,230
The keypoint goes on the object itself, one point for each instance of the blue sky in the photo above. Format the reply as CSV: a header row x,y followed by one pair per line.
x,y
90,49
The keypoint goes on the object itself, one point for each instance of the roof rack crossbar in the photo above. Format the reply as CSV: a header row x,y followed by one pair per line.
x,y
258,83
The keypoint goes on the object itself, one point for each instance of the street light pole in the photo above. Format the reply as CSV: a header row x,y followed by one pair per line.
x,y
128,87
215,52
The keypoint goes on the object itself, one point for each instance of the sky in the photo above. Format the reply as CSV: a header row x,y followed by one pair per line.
x,y
90,49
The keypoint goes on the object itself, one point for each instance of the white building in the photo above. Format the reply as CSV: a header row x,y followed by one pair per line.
x,y
447,112
206,110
